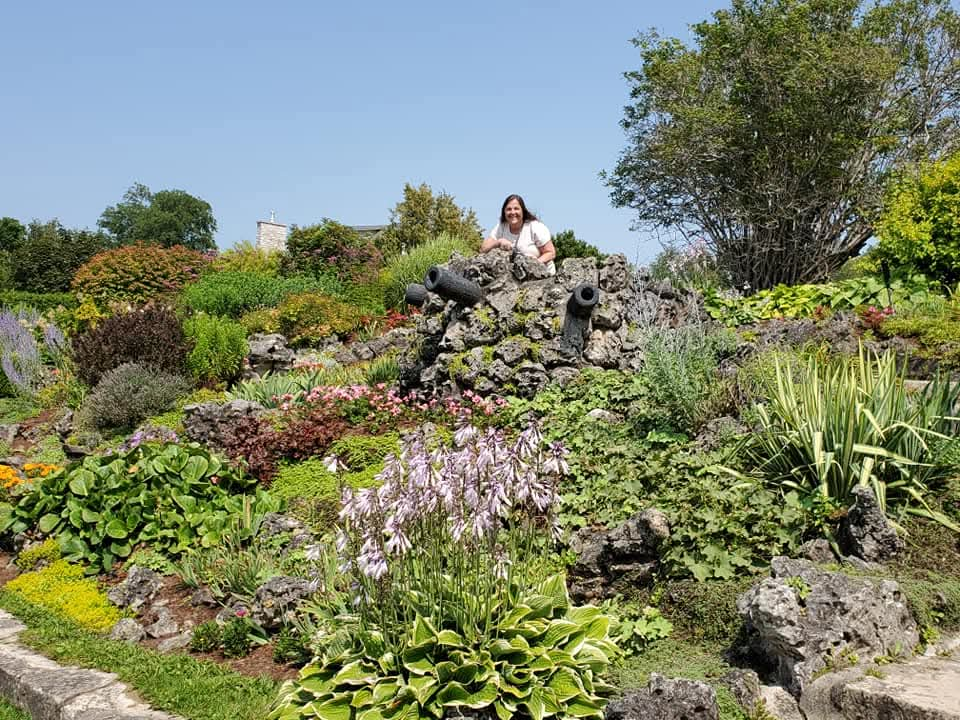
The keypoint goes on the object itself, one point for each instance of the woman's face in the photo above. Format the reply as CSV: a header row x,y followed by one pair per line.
x,y
514,213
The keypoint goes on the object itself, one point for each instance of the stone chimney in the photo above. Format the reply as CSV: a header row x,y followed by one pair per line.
x,y
271,235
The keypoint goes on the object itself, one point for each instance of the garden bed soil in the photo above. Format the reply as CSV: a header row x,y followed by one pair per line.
x,y
177,598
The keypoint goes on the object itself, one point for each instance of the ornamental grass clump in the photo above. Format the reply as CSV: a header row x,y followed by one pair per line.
x,y
449,614
830,426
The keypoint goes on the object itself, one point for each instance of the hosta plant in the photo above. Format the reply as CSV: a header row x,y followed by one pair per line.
x,y
172,497
449,615
541,658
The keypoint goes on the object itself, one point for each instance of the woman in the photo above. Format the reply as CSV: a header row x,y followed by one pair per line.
x,y
520,230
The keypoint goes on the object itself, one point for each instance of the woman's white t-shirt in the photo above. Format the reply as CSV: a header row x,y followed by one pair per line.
x,y
532,236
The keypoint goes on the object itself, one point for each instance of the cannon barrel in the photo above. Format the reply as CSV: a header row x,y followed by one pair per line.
x,y
582,300
415,294
451,286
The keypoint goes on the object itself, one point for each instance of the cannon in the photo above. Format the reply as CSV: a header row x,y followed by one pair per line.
x,y
415,295
451,286
576,323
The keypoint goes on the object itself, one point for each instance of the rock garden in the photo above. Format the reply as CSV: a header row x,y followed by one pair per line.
x,y
258,487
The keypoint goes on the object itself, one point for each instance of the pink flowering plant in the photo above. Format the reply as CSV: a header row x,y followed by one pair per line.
x,y
448,611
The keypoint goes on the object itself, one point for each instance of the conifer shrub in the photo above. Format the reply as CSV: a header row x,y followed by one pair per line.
x,y
233,293
129,394
149,336
137,273
219,348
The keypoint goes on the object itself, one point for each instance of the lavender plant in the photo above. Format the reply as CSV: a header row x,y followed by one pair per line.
x,y
19,353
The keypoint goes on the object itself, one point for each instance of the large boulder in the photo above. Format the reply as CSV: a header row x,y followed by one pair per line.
x,y
865,532
138,589
268,353
210,423
276,601
610,562
803,620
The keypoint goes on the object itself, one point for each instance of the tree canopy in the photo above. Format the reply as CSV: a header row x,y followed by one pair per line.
x,y
771,139
421,215
50,254
167,218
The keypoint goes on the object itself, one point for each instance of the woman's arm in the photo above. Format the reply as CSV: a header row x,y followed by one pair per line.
x,y
547,252
491,243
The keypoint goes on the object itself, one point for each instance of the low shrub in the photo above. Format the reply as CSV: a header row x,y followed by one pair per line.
x,y
231,294
411,267
45,553
62,588
171,497
207,637
41,302
313,490
236,641
150,336
308,318
331,249
129,394
680,371
247,257
137,273
219,347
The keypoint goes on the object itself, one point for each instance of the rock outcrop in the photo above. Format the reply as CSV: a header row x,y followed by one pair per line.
x,y
522,334
610,562
804,620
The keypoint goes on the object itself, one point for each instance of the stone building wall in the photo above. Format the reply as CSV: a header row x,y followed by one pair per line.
x,y
271,236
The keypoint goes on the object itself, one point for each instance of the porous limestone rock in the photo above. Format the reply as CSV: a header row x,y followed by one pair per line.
x,y
803,620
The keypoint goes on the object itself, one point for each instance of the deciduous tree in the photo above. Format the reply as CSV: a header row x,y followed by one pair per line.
x,y
773,135
167,218
421,215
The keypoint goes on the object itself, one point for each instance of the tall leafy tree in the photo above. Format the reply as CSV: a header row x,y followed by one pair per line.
x,y
49,255
771,138
166,217
12,234
421,215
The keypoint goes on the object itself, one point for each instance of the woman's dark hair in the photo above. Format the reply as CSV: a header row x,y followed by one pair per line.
x,y
527,215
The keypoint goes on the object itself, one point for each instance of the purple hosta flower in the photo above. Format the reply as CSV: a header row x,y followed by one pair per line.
x,y
333,465
371,560
313,552
464,434
556,462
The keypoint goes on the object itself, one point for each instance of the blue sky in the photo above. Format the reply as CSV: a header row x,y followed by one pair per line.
x,y
323,109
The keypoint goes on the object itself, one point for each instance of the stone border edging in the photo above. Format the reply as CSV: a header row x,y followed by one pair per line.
x,y
46,690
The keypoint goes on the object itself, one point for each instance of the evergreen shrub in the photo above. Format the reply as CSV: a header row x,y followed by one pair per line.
x,y
219,348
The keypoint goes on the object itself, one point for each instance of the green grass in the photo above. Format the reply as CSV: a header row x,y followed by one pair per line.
x,y
14,410
11,712
194,689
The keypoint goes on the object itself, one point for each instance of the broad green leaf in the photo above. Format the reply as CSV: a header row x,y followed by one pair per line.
x,y
194,469
48,522
116,529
